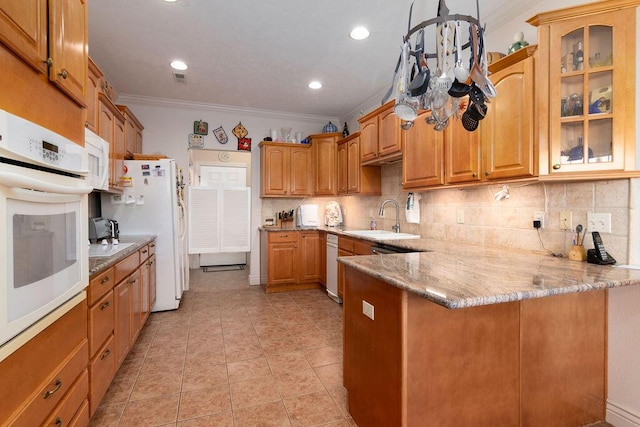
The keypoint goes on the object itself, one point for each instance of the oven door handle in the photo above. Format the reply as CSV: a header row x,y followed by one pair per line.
x,y
10,179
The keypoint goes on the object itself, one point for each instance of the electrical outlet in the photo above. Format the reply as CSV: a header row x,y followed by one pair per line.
x,y
368,310
600,222
539,216
566,220
460,216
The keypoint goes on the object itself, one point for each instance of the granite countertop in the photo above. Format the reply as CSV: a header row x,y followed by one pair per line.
x,y
99,264
461,275
457,276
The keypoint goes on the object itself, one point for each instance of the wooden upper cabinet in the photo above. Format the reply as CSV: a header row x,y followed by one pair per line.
x,y
423,157
587,90
462,153
275,170
94,83
133,132
353,177
301,181
325,152
343,167
68,47
111,128
389,133
507,131
380,136
23,28
369,138
287,170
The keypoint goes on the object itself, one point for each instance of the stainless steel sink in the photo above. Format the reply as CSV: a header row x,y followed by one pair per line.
x,y
381,234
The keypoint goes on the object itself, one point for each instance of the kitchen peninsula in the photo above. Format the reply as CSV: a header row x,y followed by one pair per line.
x,y
469,335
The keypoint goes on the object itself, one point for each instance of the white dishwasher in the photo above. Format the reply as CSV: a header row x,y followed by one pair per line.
x,y
332,268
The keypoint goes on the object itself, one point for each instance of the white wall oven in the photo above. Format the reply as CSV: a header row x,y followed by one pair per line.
x,y
43,225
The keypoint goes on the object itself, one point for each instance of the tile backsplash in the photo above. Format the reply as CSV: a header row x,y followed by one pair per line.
x,y
506,223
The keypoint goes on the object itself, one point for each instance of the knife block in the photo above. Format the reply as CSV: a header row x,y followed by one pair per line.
x,y
577,253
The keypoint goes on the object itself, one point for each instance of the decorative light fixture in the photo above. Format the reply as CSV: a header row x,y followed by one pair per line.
x,y
359,33
315,84
178,65
441,92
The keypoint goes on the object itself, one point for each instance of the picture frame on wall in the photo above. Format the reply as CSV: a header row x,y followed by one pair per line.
x,y
200,127
196,141
221,135
244,144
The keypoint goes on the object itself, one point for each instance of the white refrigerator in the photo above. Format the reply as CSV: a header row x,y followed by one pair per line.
x,y
153,204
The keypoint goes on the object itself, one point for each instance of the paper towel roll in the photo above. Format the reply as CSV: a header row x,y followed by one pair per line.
x,y
412,208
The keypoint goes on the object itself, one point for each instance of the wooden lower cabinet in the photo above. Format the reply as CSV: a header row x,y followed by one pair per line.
x,y
47,375
537,362
348,246
118,306
292,260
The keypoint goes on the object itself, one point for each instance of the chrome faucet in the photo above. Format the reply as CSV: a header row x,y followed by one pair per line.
x,y
396,227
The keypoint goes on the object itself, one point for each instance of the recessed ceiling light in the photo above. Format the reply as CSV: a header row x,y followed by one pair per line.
x,y
171,1
359,33
315,85
178,65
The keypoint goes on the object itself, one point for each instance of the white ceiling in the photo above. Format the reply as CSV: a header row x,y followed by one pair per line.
x,y
262,54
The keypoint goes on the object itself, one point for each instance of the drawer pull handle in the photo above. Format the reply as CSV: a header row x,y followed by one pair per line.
x,y
105,280
58,421
153,245
144,251
105,305
284,235
557,166
64,74
105,354
56,388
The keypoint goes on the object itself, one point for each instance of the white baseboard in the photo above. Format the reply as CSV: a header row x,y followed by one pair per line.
x,y
621,417
254,280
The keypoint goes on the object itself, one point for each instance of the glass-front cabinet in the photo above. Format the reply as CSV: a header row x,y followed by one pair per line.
x,y
587,118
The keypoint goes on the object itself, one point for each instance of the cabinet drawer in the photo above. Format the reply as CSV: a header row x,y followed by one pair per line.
x,y
152,248
71,404
52,391
81,418
40,358
361,247
100,285
101,371
346,243
144,253
283,237
101,322
127,266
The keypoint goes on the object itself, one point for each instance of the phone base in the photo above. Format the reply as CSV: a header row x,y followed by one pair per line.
x,y
592,258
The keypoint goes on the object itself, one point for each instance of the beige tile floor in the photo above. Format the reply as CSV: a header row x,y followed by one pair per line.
x,y
232,355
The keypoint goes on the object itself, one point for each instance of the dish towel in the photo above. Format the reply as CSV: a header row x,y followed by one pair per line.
x,y
412,208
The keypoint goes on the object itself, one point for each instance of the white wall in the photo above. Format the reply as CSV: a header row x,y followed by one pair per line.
x,y
167,124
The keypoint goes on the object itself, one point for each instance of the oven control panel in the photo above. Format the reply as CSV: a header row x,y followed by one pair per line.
x,y
25,141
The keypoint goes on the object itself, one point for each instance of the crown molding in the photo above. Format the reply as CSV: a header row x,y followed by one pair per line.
x,y
177,103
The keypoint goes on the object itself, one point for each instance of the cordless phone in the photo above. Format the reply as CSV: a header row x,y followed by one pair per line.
x,y
599,254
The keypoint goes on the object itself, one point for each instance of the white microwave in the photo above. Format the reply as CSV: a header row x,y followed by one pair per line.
x,y
44,260
98,155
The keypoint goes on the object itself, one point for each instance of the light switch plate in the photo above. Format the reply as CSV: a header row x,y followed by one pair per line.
x,y
368,310
600,222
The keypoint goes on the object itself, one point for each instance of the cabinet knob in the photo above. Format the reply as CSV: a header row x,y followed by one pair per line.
x,y
49,62
486,173
58,421
474,175
295,246
64,74
557,166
